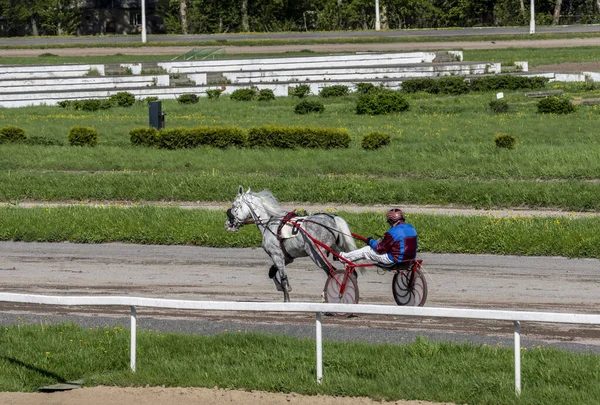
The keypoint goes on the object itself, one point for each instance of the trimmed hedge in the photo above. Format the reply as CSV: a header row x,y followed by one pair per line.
x,y
213,94
268,136
375,140
122,99
266,95
381,102
179,138
145,136
187,98
86,105
457,84
82,136
11,133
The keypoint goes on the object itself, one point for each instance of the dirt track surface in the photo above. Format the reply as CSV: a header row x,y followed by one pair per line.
x,y
183,396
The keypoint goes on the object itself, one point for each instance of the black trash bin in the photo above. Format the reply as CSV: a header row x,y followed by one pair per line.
x,y
156,115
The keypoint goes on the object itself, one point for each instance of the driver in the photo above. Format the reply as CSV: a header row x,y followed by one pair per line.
x,y
399,244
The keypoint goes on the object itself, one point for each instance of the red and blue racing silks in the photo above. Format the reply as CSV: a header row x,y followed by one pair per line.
x,y
399,242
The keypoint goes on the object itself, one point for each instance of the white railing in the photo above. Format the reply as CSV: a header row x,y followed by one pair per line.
x,y
514,316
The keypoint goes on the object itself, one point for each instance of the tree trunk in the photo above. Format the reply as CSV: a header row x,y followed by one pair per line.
x,y
598,6
556,15
183,16
34,27
244,12
522,5
384,20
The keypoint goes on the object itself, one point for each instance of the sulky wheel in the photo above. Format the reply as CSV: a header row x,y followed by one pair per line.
x,y
332,290
410,287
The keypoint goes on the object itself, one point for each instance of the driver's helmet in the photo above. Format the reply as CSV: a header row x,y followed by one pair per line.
x,y
394,215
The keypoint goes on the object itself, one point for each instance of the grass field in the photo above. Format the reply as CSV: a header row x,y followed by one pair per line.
x,y
33,356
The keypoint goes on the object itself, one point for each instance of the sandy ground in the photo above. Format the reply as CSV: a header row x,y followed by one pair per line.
x,y
182,396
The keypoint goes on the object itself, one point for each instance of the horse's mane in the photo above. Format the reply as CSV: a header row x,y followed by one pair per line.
x,y
270,203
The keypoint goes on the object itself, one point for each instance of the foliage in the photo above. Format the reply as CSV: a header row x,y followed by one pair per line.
x,y
218,137
86,105
11,133
82,136
144,136
499,105
446,85
269,136
375,140
381,102
213,94
172,138
266,95
365,88
243,94
334,91
122,99
300,91
505,141
309,106
187,98
556,105
507,82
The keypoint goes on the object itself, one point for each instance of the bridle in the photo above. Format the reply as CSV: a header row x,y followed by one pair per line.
x,y
254,218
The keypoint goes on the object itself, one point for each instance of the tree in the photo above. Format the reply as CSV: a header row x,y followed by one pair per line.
x,y
556,14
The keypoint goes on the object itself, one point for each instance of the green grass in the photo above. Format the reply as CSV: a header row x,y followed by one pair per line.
x,y
442,152
33,356
564,236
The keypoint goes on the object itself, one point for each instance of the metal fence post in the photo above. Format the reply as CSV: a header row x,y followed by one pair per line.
x,y
517,358
319,339
133,338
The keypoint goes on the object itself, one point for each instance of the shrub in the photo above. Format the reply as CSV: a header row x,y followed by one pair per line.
x,y
122,99
307,106
446,85
365,88
381,102
83,136
174,138
374,140
187,98
11,133
65,104
452,85
499,106
243,95
213,94
334,91
219,137
505,141
502,82
555,105
40,140
148,99
145,136
267,136
300,91
266,95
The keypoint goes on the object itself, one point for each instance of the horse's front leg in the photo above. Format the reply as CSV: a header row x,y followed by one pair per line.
x,y
282,284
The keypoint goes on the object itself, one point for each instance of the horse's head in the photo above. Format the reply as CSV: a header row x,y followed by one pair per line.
x,y
239,214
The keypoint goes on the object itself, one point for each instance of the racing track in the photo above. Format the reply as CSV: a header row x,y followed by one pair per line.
x,y
550,284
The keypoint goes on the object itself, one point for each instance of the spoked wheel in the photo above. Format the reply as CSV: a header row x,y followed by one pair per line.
x,y
410,287
333,286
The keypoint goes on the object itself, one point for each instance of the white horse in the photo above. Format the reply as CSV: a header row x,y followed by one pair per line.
x,y
285,237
